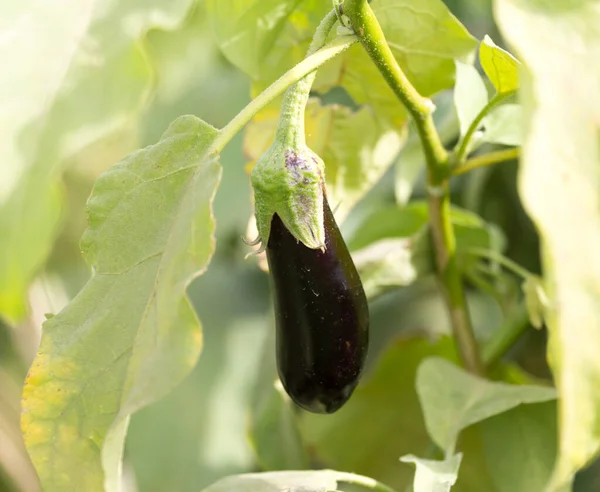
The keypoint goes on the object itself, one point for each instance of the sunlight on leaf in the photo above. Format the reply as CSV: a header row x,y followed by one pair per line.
x,y
130,335
499,65
434,476
292,481
453,399
92,74
504,125
558,184
470,95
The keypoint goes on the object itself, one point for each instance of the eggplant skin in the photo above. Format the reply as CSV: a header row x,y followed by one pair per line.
x,y
321,314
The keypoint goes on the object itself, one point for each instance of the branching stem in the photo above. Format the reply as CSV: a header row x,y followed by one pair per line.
x,y
369,32
487,160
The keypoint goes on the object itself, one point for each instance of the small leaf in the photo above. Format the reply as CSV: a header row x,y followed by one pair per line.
x,y
130,335
290,481
559,174
392,263
499,65
434,476
504,125
453,399
536,300
470,95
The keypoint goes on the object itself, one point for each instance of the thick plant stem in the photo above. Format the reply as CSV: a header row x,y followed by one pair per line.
x,y
369,32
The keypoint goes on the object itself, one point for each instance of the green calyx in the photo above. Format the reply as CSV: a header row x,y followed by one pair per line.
x,y
288,180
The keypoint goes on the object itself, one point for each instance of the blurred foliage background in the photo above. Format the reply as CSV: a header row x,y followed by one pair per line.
x,y
225,418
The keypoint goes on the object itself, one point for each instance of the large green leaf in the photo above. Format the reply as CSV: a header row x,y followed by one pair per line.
x,y
92,75
520,447
266,37
425,41
385,420
453,399
559,44
357,148
130,335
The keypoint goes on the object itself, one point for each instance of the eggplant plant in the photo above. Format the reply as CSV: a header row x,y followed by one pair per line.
x,y
421,309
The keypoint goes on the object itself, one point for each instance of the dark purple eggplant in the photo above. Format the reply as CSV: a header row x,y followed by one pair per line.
x,y
322,317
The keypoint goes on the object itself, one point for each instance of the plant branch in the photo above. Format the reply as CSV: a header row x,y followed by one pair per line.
x,y
305,67
487,160
369,32
464,144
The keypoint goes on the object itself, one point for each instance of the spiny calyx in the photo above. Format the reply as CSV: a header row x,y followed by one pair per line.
x,y
288,180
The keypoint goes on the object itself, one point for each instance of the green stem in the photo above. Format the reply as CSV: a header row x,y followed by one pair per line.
x,y
505,337
290,128
369,32
292,76
503,260
487,160
464,145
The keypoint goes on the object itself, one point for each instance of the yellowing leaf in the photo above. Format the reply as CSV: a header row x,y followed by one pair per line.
x,y
130,335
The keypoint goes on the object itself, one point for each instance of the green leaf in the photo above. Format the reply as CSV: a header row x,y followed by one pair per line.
x,y
424,41
559,173
470,95
265,38
384,415
504,125
392,263
356,147
291,481
92,75
520,447
275,435
453,399
406,222
434,476
130,335
499,65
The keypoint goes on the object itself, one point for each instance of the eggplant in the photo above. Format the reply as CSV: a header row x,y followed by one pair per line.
x,y
322,317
